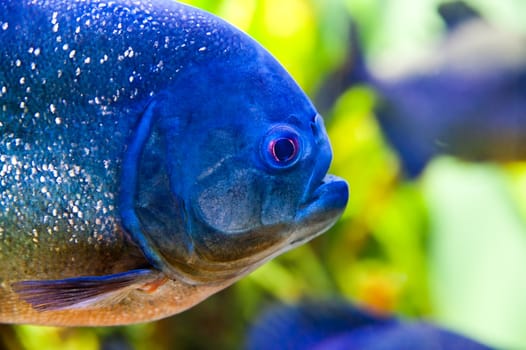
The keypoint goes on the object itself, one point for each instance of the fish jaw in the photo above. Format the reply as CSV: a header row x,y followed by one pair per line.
x,y
317,215
321,211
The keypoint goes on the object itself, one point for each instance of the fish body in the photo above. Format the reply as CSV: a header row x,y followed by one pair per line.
x,y
338,325
465,98
150,155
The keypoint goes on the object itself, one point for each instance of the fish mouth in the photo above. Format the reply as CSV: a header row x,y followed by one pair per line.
x,y
321,210
331,193
328,186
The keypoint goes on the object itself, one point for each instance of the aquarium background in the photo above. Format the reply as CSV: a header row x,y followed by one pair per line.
x,y
447,246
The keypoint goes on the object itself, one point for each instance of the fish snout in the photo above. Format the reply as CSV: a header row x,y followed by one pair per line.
x,y
321,156
326,195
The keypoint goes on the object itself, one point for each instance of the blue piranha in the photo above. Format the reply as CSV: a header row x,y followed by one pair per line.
x,y
337,325
466,98
150,155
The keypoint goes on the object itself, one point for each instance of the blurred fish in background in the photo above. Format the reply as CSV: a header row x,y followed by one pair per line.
x,y
335,325
466,97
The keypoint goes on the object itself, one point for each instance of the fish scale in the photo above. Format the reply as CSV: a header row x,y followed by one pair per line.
x,y
90,153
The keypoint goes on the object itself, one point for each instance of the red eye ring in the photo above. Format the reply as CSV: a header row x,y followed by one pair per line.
x,y
283,149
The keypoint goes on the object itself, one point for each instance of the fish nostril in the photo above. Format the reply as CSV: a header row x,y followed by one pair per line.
x,y
317,127
314,126
314,129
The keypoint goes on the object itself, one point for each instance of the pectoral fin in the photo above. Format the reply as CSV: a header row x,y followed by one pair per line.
x,y
87,291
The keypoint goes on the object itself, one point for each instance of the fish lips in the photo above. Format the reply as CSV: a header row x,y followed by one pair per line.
x,y
321,209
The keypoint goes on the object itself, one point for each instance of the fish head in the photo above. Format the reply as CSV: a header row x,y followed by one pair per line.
x,y
246,157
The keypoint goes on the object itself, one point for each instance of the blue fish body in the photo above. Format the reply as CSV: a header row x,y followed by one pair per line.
x,y
151,155
337,325
466,98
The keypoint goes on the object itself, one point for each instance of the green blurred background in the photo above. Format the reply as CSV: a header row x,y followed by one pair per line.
x,y
449,247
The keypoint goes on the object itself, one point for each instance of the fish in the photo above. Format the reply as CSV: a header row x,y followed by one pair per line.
x,y
466,97
151,154
336,324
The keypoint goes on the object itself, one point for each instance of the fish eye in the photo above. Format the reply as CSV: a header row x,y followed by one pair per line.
x,y
281,147
283,150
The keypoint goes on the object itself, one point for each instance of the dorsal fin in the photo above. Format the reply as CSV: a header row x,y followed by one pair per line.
x,y
351,72
456,13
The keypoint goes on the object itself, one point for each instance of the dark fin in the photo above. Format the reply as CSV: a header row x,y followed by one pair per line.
x,y
88,291
353,71
455,13
360,73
